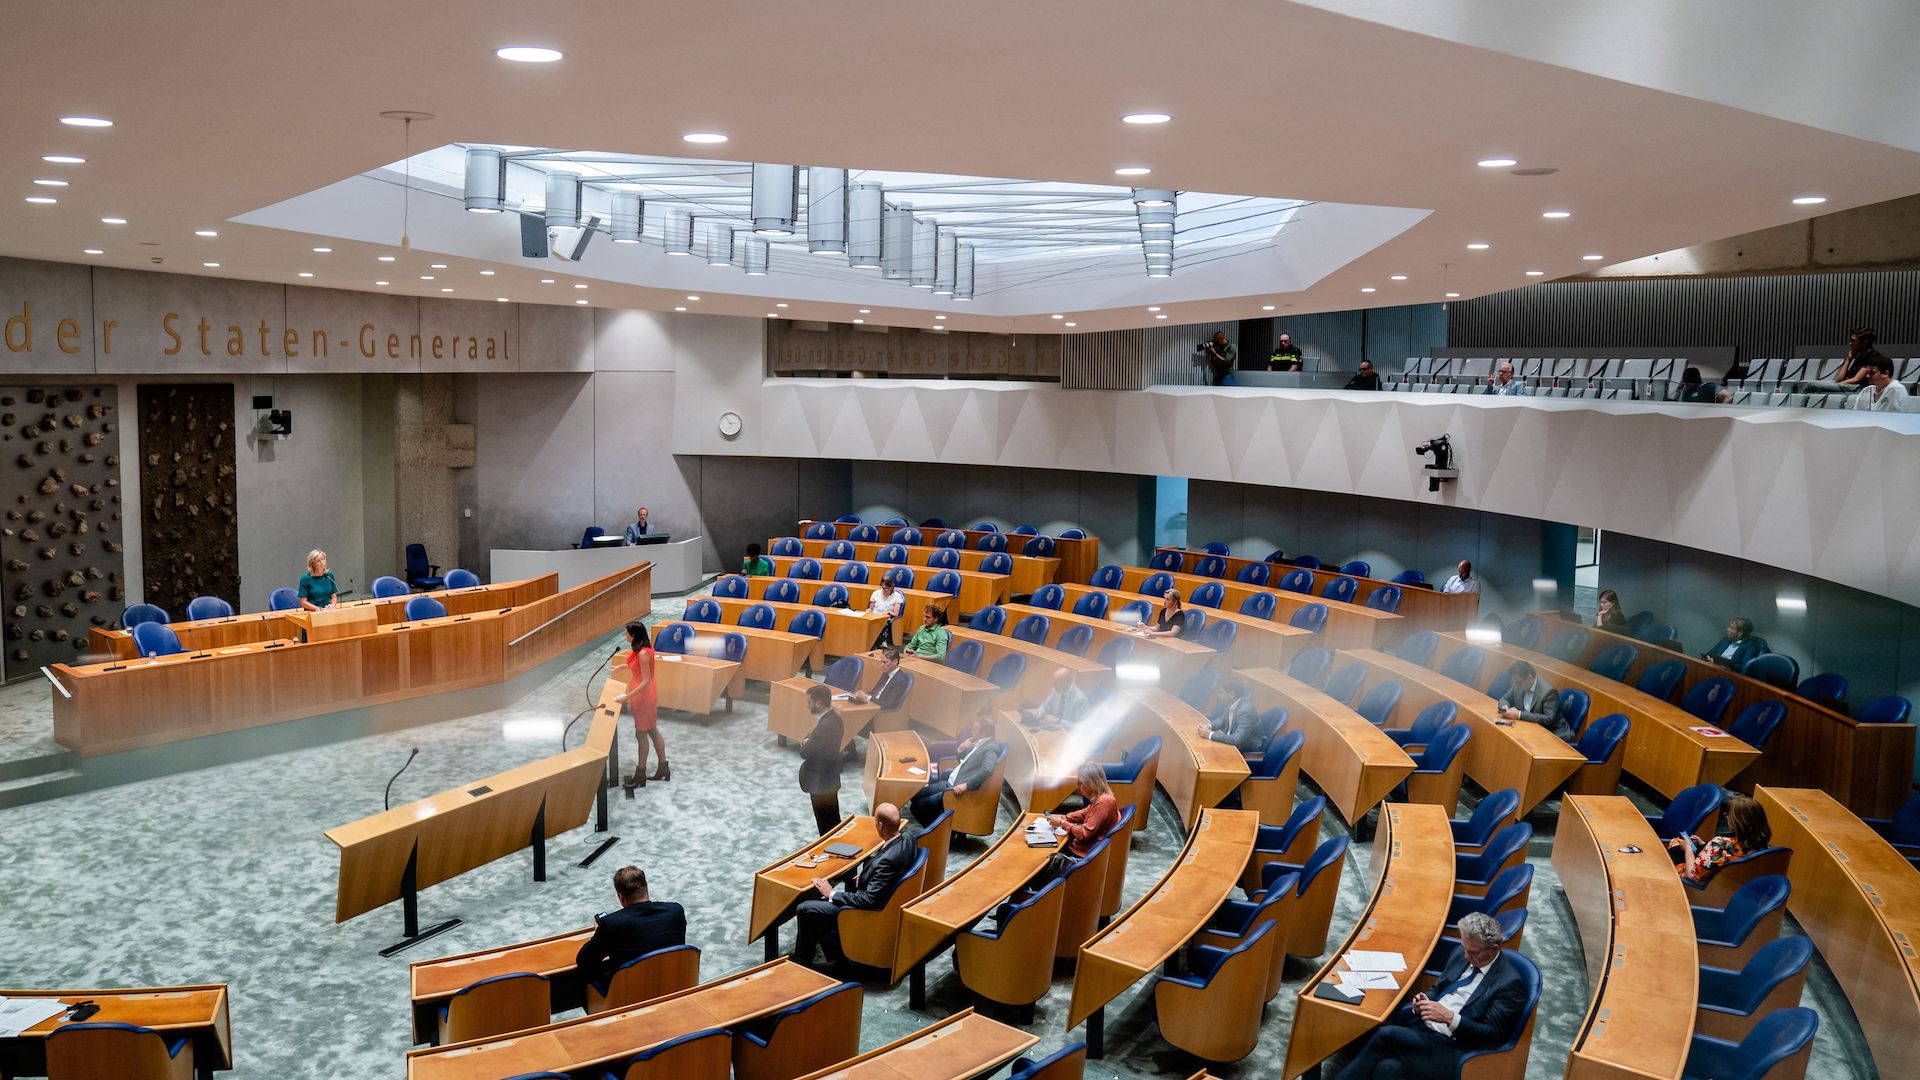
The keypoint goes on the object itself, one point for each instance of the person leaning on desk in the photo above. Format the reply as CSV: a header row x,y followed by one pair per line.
x,y
318,590
930,638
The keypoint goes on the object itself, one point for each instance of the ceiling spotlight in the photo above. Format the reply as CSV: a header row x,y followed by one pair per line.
x,y
62,159
86,121
1266,307
579,286
1556,215
546,281
306,273
93,251
706,138
859,322
1154,197
827,207
1497,163
486,273
1153,309
1059,316
1132,170
205,232
783,305
1159,316
323,251
1397,277
436,266
1145,118
937,318
426,277
485,187
446,290
1809,200
627,221
43,200
680,309
1453,296
386,258
1366,288
383,283
211,265
772,315
113,221
500,299
676,235
1536,273
51,183
863,311
1593,258
755,253
866,211
1478,246
528,54
1070,324
580,302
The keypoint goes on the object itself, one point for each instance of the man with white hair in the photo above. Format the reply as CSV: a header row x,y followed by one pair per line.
x,y
1473,1006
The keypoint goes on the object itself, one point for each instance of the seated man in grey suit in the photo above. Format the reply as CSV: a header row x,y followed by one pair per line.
x,y
1063,707
1474,1006
1234,718
1529,698
873,883
978,752
890,690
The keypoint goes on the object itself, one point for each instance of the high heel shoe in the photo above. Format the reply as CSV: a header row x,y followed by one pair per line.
x,y
664,773
637,780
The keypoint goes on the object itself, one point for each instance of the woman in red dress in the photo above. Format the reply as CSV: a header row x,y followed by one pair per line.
x,y
642,700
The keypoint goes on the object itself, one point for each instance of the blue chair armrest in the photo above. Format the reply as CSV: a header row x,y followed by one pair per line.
x,y
1203,961
1232,915
177,1045
1715,1057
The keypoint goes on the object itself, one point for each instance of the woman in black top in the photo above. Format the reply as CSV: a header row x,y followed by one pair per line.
x,y
1609,616
1170,620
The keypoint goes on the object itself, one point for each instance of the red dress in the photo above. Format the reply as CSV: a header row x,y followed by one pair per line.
x,y
644,704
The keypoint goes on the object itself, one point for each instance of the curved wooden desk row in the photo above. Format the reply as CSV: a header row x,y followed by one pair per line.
x,y
1667,747
1257,642
129,704
977,590
1352,761
1195,771
771,654
198,1012
1029,571
1078,558
1348,626
850,630
1859,900
1169,659
858,596
960,1046
1422,608
1866,766
941,698
1091,676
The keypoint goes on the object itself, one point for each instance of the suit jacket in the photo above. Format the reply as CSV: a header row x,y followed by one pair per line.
x,y
1068,708
820,755
633,931
1239,724
1489,1016
873,882
1745,649
1546,706
891,690
976,767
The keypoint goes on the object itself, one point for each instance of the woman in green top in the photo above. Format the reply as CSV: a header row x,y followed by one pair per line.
x,y
930,640
317,588
756,564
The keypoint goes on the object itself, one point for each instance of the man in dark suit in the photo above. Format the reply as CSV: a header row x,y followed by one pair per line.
x,y
1474,1006
891,688
640,926
1738,646
873,883
978,753
1234,718
820,758
1529,698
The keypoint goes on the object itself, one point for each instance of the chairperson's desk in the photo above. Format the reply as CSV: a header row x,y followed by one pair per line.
x,y
1348,626
1525,757
1423,608
199,1013
1859,900
1412,888
1257,642
1029,571
584,1045
1663,747
963,1045
125,705
1078,558
1355,763
1643,962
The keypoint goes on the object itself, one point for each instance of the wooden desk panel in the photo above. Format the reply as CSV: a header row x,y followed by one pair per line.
x,y
789,717
1195,771
1037,681
781,885
433,982
1412,888
1078,558
859,596
1354,763
1348,626
849,632
1662,748
1159,923
931,920
1029,571
200,1013
610,1038
1258,642
1177,660
1040,763
889,777
1859,900
772,655
961,1046
1643,965
977,590
691,684
1525,757
1423,609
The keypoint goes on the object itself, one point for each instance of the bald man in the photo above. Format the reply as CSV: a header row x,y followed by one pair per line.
x,y
1064,707
873,883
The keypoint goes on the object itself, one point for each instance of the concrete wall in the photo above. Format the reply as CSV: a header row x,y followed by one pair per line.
x,y
1386,336
1104,504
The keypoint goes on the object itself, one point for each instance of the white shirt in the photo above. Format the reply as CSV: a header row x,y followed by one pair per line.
x,y
1457,584
1456,999
1892,399
882,604
1510,388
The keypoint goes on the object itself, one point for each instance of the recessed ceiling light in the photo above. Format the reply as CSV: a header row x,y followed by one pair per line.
x,y
1497,163
1153,309
1159,316
703,137
1397,277
1478,246
446,290
1593,258
386,258
1809,200
85,121
383,283
1366,288
859,322
44,200
546,281
500,299
1536,273
209,233
866,311
1059,316
323,251
1453,296
680,308
577,285
113,221
940,318
306,273
773,315
693,298
62,159
426,277
1266,307
211,265
528,54
1070,324
1556,215
93,251
51,183
486,273
783,305
1132,170
1146,118
582,303
436,266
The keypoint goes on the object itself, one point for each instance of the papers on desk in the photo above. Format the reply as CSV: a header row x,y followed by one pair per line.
x,y
1041,834
1710,732
1362,960
19,1014
843,697
1368,980
671,658
915,770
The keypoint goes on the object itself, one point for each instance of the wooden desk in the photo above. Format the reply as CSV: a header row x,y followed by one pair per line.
x,y
1643,965
858,596
961,1046
850,631
1663,749
1525,757
434,982
1195,771
1159,923
977,590
1866,766
889,777
772,655
1412,887
201,634
610,1038
1354,763
198,1012
1078,558
1859,900
1257,643
1029,571
1348,626
941,698
930,921
1177,660
1037,681
778,887
1422,608
691,684
1040,763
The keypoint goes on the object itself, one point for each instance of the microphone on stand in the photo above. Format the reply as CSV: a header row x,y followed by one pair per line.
x,y
386,801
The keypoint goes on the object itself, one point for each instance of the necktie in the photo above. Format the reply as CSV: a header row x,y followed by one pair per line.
x,y
1466,977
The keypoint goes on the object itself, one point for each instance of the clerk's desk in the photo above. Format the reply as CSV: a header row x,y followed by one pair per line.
x,y
1424,607
1078,558
1257,643
1348,626
963,1045
1029,571
198,1012
977,590
1354,763
128,704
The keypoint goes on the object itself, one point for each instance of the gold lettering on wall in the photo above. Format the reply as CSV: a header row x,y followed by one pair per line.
x,y
106,334
166,324
65,335
23,324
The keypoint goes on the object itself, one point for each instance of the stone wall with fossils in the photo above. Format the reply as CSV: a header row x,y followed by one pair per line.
x,y
189,522
63,526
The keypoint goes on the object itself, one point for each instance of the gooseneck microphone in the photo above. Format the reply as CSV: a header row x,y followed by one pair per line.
x,y
386,801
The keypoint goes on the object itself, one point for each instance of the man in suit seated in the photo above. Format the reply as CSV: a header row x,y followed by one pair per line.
x,y
819,917
1529,698
1233,717
978,753
1474,1006
891,688
1063,707
1738,646
640,926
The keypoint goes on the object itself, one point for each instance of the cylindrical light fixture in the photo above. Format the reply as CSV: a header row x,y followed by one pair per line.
x,y
563,200
963,272
1159,264
776,191
676,232
826,211
866,203
486,188
896,243
719,244
926,236
1156,218
756,253
628,219
945,248
1152,197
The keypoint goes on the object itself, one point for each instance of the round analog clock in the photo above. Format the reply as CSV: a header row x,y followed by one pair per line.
x,y
730,423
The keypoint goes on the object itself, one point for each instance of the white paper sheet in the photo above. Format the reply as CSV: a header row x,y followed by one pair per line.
x,y
19,1014
1362,960
1368,980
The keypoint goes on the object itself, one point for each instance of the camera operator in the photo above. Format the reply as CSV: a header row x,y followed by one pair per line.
x,y
1221,357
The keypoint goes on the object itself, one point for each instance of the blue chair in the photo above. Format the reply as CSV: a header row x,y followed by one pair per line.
x,y
1346,682
991,542
1418,647
136,614
1524,633
424,607
1758,722
758,616
1477,870
1255,573
906,535
80,1050
991,619
1259,605
1775,669
893,554
1212,1024
1827,688
894,522
422,574
1639,622
864,534
805,569
1574,705
1219,636
1300,581
985,526
1217,548
1436,771
814,1034
1385,598
787,547
1068,1061
944,559
1501,682
155,639
1341,590
1730,935
1310,666
1006,674
844,673
1509,888
1426,724
1708,699
1093,605
1049,596
731,587
1661,679
1310,617
1210,594
1165,560
462,579
997,563
1600,743
389,586
1316,883
283,599
1025,530
946,581
847,519
1199,687
1732,1001
1033,629
784,591
1902,830
1568,645
839,549
1658,634
934,523
1492,813
965,656
1108,577
1613,662
589,534
1787,1033
1381,699
810,623
853,573
1891,709
1463,667
1075,641
951,538
1073,534
1156,585
673,638
830,595
1132,778
1195,625
1357,568
1212,566
985,954
1134,613
1115,652
703,610
1306,562
900,576
1687,811
1409,577
1038,546
820,530
702,1053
